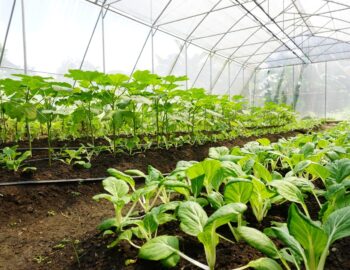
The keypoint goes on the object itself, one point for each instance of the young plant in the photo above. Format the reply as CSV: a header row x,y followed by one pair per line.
x,y
307,241
72,157
195,222
118,195
13,160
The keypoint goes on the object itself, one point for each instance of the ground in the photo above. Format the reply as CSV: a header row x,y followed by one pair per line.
x,y
54,226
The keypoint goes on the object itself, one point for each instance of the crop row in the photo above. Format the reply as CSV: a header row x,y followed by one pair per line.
x,y
143,109
202,196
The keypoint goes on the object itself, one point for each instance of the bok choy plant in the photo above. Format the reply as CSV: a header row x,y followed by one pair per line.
x,y
306,241
193,221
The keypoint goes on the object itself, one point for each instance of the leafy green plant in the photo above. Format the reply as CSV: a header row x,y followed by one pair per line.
x,y
75,157
193,221
307,241
13,160
118,195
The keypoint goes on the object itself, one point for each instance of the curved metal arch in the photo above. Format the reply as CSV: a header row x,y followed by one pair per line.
x,y
283,36
252,34
261,62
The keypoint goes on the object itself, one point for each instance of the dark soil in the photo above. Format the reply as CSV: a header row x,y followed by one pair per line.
x,y
162,159
54,226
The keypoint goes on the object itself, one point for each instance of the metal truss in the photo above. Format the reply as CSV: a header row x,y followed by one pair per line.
x,y
287,31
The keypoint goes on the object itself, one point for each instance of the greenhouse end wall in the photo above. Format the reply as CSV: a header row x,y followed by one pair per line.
x,y
314,90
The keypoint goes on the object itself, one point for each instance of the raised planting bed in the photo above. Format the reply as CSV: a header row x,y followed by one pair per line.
x,y
164,159
54,226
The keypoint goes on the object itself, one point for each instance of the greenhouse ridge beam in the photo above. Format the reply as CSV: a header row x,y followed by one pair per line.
x,y
242,44
302,17
273,34
292,40
263,61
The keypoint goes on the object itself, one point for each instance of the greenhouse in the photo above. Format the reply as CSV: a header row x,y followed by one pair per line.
x,y
175,134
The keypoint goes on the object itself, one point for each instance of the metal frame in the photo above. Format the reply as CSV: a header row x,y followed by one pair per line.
x,y
285,36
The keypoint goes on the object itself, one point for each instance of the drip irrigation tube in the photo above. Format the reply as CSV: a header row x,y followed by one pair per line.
x,y
75,147
62,181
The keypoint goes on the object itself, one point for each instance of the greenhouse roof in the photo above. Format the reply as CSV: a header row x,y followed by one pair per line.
x,y
255,33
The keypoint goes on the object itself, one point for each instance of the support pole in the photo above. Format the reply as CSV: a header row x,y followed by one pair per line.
x,y
254,90
24,39
229,78
103,42
152,49
100,15
139,56
7,32
211,72
243,79
186,65
325,90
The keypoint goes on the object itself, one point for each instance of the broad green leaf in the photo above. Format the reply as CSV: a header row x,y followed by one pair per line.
x,y
337,225
136,172
197,185
171,261
211,169
288,191
125,235
264,264
210,240
159,248
339,170
281,232
309,234
318,171
215,199
115,187
238,190
218,152
150,222
107,224
307,149
195,171
122,176
29,110
302,165
258,240
260,199
337,198
264,141
192,217
261,172
225,214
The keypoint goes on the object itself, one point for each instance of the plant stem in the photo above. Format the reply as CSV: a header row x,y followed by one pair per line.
x,y
196,263
29,135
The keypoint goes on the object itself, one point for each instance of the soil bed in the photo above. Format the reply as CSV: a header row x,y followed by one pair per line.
x,y
51,226
162,159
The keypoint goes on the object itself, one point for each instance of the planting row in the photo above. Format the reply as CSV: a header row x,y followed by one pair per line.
x,y
147,107
200,197
85,155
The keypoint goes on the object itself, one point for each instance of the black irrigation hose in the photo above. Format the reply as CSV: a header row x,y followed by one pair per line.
x,y
75,147
63,181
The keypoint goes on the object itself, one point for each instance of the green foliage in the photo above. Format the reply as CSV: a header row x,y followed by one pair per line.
x,y
13,160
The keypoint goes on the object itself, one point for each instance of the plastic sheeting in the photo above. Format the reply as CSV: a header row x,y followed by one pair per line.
x,y
218,44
